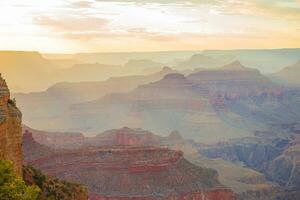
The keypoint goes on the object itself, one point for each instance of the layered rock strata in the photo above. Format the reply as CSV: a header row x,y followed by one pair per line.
x,y
10,129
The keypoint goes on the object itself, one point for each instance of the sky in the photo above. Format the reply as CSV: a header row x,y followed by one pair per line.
x,y
69,26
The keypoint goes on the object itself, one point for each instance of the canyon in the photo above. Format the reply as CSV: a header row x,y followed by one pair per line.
x,y
232,128
246,183
118,172
277,158
198,105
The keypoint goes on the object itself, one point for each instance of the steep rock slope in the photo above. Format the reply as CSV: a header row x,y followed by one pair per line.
x,y
10,129
135,172
33,150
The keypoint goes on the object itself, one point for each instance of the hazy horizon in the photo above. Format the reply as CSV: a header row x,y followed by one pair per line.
x,y
154,51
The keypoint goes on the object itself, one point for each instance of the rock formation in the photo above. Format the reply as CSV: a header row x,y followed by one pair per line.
x,y
278,159
128,172
36,143
233,79
32,149
10,129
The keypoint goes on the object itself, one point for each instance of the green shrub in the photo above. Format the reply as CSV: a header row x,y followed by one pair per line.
x,y
51,187
13,187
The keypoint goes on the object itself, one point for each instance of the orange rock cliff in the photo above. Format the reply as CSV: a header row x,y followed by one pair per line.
x,y
10,129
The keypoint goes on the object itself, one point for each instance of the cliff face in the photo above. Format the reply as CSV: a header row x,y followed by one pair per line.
x,y
33,150
10,129
124,172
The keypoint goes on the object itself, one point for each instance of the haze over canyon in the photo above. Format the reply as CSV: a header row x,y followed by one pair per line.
x,y
150,100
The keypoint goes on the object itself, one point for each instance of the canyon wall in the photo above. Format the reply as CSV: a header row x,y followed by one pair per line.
x,y
134,172
10,129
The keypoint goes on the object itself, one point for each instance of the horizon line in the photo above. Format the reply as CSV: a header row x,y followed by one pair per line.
x,y
164,51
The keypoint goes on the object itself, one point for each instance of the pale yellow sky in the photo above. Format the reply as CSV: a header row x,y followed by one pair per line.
x,y
154,25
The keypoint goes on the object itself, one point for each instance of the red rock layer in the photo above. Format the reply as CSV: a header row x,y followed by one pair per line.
x,y
129,173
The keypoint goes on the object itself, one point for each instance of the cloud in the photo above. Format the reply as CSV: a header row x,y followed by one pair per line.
x,y
171,24
164,1
72,23
82,4
151,36
137,33
288,9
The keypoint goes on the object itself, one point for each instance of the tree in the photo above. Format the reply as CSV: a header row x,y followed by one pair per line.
x,y
13,187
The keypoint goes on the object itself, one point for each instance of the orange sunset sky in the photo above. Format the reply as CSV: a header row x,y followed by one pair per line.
x,y
67,26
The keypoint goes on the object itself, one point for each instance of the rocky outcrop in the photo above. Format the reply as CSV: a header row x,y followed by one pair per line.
x,y
10,129
128,172
54,140
33,150
36,142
